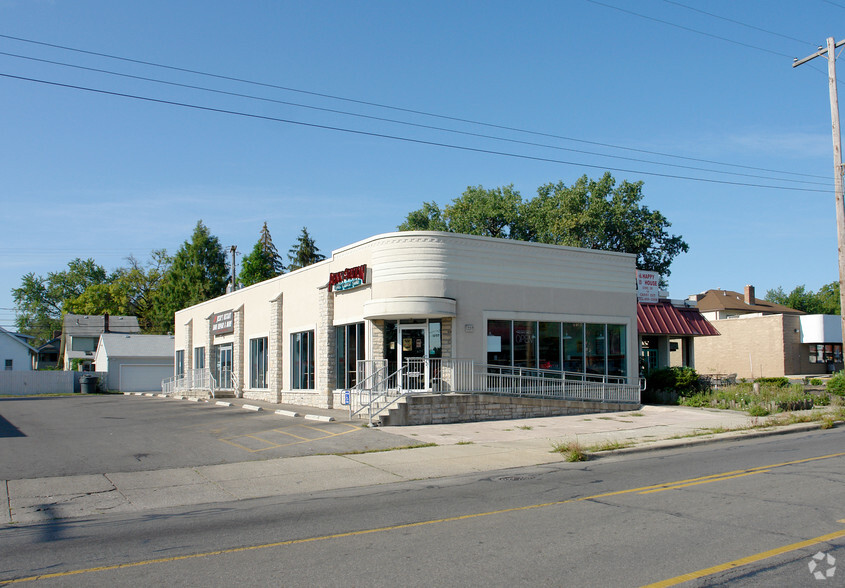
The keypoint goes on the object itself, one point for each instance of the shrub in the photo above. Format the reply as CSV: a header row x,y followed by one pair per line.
x,y
757,410
816,382
836,384
781,381
683,380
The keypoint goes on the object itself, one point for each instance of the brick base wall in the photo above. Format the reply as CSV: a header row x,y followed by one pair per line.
x,y
465,408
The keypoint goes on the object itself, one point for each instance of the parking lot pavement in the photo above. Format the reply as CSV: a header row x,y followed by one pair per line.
x,y
79,435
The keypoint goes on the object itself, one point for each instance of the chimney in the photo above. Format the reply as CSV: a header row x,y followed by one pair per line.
x,y
749,295
106,321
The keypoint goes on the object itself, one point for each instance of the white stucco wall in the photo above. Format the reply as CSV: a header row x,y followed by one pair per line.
x,y
465,278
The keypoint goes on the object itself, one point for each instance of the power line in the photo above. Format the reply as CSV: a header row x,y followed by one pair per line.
x,y
689,29
398,138
756,28
406,123
401,109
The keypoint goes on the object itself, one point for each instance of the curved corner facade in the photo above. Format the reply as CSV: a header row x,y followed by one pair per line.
x,y
299,338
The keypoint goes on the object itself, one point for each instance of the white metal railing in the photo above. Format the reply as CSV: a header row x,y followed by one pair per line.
x,y
377,389
191,382
536,383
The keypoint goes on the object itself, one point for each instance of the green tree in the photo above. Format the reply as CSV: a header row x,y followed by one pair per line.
x,y
130,291
198,272
825,301
40,301
263,262
594,214
304,252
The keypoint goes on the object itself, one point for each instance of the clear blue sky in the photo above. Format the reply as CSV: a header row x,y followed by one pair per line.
x,y
87,174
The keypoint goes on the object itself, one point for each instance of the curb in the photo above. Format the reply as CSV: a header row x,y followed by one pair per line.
x,y
712,438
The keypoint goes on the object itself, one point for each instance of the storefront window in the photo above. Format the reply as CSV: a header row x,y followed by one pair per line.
x,y
525,344
302,359
826,353
258,362
549,346
573,347
570,347
350,349
595,355
199,358
435,342
617,364
499,342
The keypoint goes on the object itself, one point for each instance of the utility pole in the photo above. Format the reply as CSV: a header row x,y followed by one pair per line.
x,y
830,50
233,249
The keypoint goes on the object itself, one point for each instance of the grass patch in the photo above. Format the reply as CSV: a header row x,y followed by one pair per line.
x,y
605,418
571,450
771,397
611,445
524,427
464,443
635,414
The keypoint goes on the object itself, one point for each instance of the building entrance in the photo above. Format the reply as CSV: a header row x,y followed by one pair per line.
x,y
412,352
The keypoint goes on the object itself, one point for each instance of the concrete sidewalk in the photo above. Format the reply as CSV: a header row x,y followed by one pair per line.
x,y
463,448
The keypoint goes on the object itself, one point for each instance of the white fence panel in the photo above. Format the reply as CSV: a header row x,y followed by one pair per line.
x,y
36,382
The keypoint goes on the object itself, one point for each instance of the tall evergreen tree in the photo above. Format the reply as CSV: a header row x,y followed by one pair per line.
x,y
304,252
263,262
198,272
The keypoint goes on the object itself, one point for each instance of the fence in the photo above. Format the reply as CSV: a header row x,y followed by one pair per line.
x,y
24,383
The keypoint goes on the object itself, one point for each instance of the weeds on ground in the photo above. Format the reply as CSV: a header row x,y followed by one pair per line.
x,y
464,443
611,445
571,450
772,397
524,427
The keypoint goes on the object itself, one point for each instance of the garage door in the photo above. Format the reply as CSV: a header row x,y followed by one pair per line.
x,y
143,378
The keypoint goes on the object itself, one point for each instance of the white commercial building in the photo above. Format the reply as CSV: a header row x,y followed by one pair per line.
x,y
413,299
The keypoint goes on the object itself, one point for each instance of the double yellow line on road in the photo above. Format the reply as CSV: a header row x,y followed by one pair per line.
x,y
641,490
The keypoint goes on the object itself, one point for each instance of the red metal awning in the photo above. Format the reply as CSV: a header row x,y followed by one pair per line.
x,y
665,319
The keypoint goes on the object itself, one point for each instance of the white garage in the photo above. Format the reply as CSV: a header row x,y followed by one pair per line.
x,y
135,363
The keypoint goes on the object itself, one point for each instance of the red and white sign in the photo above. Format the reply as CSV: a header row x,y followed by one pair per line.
x,y
648,287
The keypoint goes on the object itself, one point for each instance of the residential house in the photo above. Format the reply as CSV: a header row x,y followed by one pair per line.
x,y
15,353
81,333
48,354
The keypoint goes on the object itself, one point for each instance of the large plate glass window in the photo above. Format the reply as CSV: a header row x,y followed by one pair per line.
x,y
617,361
199,358
302,359
350,349
258,362
499,342
180,363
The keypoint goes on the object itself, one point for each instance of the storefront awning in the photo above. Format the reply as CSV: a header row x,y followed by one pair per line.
x,y
664,318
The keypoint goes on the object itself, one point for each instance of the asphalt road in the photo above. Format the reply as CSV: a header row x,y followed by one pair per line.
x,y
62,436
620,521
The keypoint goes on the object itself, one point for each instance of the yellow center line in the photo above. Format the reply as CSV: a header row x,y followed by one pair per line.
x,y
640,490
715,479
744,561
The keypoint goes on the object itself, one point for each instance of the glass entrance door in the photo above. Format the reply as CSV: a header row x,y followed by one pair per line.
x,y
413,350
224,366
